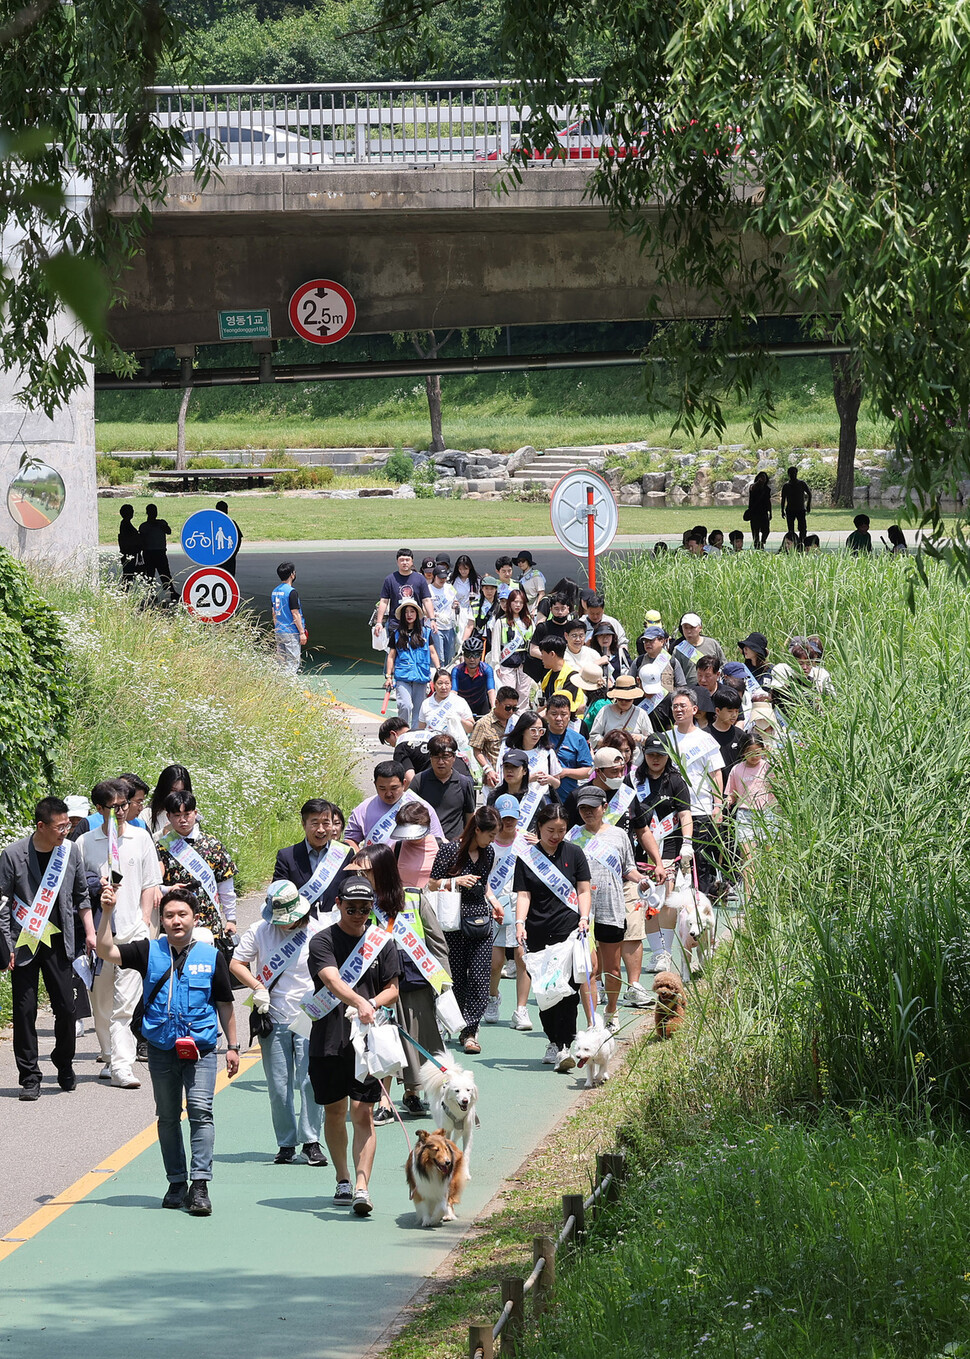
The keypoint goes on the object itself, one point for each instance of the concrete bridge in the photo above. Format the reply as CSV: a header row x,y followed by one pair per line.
x,y
395,192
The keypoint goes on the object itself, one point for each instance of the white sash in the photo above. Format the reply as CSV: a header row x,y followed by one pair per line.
x,y
547,871
410,942
380,830
34,919
529,805
689,750
620,803
114,854
688,651
439,715
326,870
598,849
281,959
186,854
365,952
517,642
498,879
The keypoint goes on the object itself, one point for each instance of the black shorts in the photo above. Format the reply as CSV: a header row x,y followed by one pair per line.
x,y
335,1078
608,934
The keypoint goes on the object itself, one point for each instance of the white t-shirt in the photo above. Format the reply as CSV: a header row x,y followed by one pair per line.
x,y
444,598
139,868
609,719
258,945
447,717
700,756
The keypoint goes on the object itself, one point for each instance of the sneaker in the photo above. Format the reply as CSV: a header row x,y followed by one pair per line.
x,y
30,1091
79,1027
636,995
414,1104
67,1081
141,1050
383,1114
662,962
520,1019
105,1073
344,1194
491,1015
508,971
197,1199
285,1156
552,1055
613,1023
315,1154
127,1080
175,1194
565,1061
362,1203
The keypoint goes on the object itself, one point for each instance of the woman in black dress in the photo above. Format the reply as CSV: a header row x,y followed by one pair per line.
x,y
759,509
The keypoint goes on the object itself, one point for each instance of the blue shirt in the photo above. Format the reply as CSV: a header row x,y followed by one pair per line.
x,y
284,599
474,689
573,752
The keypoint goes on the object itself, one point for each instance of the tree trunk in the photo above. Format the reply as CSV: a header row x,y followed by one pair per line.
x,y
180,459
432,385
847,387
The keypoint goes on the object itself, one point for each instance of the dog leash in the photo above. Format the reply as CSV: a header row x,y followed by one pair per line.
x,y
414,1042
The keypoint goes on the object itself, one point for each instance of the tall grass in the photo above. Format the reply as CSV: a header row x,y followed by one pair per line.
x,y
151,688
853,971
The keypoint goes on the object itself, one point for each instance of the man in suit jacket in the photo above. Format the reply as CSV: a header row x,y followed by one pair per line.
x,y
298,863
22,867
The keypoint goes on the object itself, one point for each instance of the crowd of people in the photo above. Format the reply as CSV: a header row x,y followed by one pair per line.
x,y
549,779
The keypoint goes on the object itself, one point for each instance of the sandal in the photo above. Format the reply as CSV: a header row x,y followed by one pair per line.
x,y
471,1045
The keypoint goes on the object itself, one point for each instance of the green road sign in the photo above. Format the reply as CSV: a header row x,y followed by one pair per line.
x,y
245,325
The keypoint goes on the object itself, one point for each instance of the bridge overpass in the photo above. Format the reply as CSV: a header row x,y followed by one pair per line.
x,y
398,193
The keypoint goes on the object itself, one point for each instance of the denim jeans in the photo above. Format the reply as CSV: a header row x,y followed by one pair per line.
x,y
445,645
410,694
285,1059
171,1077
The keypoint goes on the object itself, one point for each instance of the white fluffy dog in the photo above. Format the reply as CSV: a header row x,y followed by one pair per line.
x,y
695,926
453,1096
593,1049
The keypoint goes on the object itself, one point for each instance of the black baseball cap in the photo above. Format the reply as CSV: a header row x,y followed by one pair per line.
x,y
655,745
516,757
427,564
356,889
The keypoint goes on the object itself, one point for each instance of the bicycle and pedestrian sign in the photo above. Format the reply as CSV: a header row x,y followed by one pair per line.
x,y
209,538
211,594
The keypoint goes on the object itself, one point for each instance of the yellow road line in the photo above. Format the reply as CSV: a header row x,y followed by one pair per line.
x,y
24,1231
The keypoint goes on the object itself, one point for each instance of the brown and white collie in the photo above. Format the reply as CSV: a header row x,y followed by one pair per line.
x,y
436,1177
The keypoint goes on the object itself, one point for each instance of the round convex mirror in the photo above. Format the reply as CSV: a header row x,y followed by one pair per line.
x,y
36,496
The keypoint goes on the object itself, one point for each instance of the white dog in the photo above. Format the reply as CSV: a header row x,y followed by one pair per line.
x,y
594,1049
453,1096
695,927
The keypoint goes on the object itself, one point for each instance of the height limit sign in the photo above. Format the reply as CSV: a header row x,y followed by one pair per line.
x,y
322,311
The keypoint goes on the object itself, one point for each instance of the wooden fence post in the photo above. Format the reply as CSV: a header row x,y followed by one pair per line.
x,y
514,1327
544,1248
480,1342
572,1206
611,1163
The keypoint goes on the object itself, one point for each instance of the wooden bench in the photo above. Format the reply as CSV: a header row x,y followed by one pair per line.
x,y
253,476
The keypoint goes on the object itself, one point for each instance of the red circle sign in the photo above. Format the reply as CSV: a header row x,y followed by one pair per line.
x,y
322,311
211,594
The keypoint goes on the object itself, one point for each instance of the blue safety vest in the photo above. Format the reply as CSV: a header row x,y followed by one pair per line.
x,y
183,1007
282,613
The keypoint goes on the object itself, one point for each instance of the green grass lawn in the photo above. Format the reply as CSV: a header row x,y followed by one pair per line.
x,y
277,518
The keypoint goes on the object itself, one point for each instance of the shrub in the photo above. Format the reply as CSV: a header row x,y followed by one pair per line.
x,y
399,467
820,476
110,472
207,462
304,478
36,693
423,480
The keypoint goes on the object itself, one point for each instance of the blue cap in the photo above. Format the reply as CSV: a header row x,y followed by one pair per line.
x,y
653,632
507,805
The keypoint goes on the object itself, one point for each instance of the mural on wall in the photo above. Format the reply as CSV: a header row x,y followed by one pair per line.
x,y
36,496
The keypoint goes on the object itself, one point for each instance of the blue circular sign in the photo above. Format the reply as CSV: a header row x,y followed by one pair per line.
x,y
209,538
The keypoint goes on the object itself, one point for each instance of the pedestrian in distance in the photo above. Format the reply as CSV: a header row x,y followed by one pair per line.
x,y
187,993
230,564
758,513
531,580
473,679
450,793
288,623
410,655
154,534
860,540
444,600
372,821
365,979
174,778
510,635
489,732
272,960
42,886
403,583
796,505
130,547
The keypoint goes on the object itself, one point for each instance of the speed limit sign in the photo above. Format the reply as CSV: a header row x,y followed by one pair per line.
x,y
322,311
211,594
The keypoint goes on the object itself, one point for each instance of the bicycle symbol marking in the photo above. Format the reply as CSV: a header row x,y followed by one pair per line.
x,y
198,539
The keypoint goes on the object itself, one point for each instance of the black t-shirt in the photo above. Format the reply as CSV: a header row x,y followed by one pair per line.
x,y
454,800
728,741
549,918
412,754
668,794
331,948
550,628
135,956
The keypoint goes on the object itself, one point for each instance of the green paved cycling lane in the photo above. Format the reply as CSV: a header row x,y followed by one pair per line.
x,y
277,1272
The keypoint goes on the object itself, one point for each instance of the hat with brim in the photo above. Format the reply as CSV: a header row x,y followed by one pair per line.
x,y
693,620
606,757
77,805
604,629
756,642
625,687
409,830
591,797
356,889
285,902
702,697
763,712
490,580
507,805
655,745
406,604
516,757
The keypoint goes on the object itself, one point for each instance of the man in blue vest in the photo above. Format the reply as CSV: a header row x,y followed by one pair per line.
x,y
187,994
291,633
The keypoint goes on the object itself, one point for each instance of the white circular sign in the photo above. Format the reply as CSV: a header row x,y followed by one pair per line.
x,y
211,594
322,311
568,511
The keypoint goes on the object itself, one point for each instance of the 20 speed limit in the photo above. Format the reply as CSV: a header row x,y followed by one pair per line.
x,y
211,594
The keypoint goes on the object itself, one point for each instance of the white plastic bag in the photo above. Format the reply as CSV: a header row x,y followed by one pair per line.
x,y
447,907
582,959
551,970
378,636
379,1049
448,1011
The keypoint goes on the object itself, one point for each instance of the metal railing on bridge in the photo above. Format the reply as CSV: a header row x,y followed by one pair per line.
x,y
415,123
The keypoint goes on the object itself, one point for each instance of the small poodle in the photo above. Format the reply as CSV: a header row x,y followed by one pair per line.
x,y
671,1004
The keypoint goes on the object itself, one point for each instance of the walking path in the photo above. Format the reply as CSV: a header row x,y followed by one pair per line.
x,y
101,1271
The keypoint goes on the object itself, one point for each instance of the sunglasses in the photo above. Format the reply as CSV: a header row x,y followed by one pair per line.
x,y
357,910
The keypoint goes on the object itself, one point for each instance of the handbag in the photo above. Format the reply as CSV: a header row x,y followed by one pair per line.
x,y
476,927
746,516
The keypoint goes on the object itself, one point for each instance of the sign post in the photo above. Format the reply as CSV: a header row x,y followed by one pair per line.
x,y
584,516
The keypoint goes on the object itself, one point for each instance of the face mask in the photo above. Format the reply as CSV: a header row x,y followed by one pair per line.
x,y
613,784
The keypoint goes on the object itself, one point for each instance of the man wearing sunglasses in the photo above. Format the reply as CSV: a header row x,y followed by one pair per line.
x,y
332,1065
116,990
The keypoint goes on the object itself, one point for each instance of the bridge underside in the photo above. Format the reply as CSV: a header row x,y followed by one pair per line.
x,y
418,250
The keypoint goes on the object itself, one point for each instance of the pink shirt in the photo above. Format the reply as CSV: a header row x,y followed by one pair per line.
x,y
749,785
415,860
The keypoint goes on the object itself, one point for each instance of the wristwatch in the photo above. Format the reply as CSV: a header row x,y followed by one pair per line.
x,y
232,1047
